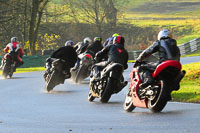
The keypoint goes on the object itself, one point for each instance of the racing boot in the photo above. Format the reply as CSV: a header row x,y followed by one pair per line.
x,y
121,86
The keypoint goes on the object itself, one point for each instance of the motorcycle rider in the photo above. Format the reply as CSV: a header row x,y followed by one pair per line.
x,y
80,48
167,49
110,39
66,53
116,53
13,48
95,47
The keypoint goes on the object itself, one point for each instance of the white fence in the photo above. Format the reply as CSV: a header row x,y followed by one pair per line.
x,y
185,48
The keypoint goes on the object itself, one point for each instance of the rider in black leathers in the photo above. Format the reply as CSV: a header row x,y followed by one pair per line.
x,y
66,53
95,47
116,53
80,48
168,50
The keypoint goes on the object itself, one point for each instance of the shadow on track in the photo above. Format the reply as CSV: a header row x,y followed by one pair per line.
x,y
59,92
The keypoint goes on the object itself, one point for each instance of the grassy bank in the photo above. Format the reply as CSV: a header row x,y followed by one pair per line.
x,y
190,85
30,69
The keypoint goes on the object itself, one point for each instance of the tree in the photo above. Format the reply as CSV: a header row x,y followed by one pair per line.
x,y
36,15
98,12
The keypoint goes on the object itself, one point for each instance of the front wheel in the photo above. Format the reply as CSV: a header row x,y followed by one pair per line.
x,y
50,83
90,96
128,104
5,71
160,99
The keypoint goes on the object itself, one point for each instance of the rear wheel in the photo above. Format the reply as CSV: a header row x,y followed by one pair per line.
x,y
108,91
128,104
50,83
160,99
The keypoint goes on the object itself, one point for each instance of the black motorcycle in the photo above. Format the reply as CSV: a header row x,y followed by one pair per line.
x,y
9,65
56,74
84,69
106,82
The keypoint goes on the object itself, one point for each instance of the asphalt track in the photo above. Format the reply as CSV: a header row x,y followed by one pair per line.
x,y
26,108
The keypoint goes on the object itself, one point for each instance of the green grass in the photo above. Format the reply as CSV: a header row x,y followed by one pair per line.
x,y
190,85
30,69
187,38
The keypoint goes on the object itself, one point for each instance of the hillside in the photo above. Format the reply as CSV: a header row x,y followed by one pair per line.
x,y
170,7
180,16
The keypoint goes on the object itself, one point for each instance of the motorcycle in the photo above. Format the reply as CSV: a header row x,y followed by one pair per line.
x,y
84,69
106,82
55,75
9,65
166,76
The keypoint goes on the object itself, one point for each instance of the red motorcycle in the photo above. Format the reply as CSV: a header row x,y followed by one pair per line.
x,y
166,76
9,65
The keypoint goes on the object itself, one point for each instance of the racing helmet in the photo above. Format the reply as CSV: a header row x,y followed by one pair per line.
x,y
13,39
69,43
98,39
114,35
87,40
118,39
164,33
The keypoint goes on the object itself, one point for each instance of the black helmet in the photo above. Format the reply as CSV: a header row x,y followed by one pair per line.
x,y
13,39
98,39
118,39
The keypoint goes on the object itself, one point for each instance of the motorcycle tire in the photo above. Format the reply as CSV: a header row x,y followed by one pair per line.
x,y
90,96
108,91
160,100
10,75
5,71
81,74
128,103
50,84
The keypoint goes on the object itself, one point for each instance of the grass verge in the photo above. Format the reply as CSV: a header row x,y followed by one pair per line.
x,y
31,69
190,85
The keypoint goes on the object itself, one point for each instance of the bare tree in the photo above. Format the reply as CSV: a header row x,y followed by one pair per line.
x,y
36,15
97,12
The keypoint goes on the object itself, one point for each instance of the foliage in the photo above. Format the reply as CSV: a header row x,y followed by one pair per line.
x,y
48,42
76,19
190,85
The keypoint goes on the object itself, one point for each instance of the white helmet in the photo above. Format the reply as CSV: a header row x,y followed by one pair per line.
x,y
13,39
164,33
87,40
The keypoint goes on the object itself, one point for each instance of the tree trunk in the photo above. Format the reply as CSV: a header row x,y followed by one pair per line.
x,y
25,21
35,6
37,11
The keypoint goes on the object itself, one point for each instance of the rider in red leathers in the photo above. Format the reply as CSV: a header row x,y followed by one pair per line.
x,y
13,48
